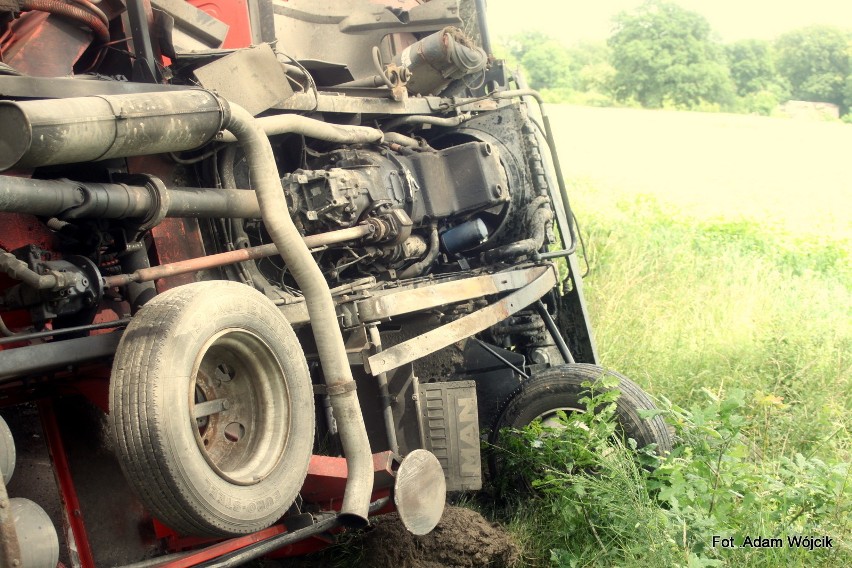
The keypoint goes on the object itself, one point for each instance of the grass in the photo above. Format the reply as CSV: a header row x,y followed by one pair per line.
x,y
683,306
749,331
741,327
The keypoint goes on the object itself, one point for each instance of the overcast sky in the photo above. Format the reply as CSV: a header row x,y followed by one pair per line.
x,y
574,20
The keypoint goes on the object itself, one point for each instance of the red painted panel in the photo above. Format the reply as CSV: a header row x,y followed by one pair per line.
x,y
67,491
232,12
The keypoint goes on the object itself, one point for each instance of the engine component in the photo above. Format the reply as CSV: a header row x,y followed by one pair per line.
x,y
149,274
78,285
337,373
448,417
256,66
348,184
465,236
437,59
538,219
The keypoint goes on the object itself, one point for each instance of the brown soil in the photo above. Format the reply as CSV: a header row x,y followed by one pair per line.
x,y
462,539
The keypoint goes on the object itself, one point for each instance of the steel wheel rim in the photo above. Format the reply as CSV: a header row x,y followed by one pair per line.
x,y
550,419
240,381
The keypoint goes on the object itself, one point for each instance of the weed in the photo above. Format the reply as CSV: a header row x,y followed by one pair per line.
x,y
748,328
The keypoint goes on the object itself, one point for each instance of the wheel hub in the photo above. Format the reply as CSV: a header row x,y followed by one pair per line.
x,y
242,419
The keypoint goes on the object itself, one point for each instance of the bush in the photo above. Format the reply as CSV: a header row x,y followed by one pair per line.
x,y
597,505
763,102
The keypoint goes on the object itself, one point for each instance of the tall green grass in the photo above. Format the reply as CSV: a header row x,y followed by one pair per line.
x,y
744,334
684,305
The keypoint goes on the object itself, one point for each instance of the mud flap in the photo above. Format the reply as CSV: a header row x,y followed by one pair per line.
x,y
450,430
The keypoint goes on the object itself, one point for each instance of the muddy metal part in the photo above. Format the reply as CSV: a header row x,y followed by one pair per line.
x,y
541,280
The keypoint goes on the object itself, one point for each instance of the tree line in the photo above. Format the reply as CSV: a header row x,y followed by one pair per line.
x,y
663,56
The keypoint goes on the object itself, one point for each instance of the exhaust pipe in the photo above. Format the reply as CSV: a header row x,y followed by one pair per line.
x,y
327,334
86,129
60,131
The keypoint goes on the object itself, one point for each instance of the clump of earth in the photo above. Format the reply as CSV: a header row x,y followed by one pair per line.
x,y
462,539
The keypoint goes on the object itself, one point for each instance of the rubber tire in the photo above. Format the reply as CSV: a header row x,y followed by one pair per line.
x,y
562,387
152,427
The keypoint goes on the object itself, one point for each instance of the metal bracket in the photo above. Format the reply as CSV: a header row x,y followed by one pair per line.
x,y
545,278
336,390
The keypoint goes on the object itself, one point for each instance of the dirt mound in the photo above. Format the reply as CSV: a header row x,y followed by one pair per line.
x,y
462,539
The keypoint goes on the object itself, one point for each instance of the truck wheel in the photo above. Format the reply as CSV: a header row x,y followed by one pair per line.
x,y
561,388
211,407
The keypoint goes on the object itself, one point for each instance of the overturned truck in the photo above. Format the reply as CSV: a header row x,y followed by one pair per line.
x,y
269,268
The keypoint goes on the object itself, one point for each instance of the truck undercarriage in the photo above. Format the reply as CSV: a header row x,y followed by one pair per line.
x,y
268,269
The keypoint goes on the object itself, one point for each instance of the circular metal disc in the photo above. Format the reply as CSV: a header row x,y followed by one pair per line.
x,y
7,451
420,492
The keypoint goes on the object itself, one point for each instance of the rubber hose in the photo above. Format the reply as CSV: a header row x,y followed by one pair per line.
x,y
93,9
312,128
417,268
72,12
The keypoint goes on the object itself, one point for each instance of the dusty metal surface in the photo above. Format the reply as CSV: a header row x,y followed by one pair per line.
x,y
191,28
44,357
347,103
67,200
64,131
396,302
34,479
451,431
63,87
545,278
420,492
258,67
232,257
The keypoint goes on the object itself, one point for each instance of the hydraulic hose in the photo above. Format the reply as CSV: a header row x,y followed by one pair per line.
x,y
329,339
71,12
403,140
19,270
417,268
538,224
311,128
420,119
93,9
